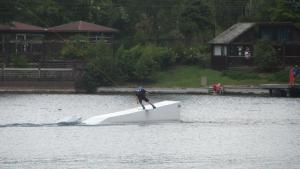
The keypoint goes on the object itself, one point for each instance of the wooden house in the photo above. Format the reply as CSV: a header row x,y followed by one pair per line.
x,y
42,44
21,39
235,46
58,35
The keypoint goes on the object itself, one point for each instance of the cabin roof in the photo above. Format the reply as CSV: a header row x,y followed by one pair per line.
x,y
238,29
231,33
19,26
81,26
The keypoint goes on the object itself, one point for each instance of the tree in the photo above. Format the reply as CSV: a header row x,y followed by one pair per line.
x,y
265,56
76,48
101,68
259,10
141,61
286,10
195,19
227,12
42,13
273,10
8,10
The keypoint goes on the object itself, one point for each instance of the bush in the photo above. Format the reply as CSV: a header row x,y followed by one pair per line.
x,y
280,76
127,58
265,56
194,55
142,61
101,68
76,48
19,61
89,80
160,55
145,68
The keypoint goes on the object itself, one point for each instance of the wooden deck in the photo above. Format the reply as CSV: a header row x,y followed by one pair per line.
x,y
283,90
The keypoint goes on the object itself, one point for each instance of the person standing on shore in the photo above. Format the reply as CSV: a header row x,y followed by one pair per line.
x,y
296,71
141,95
292,76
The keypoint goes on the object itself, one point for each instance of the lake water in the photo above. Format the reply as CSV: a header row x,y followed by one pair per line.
x,y
216,132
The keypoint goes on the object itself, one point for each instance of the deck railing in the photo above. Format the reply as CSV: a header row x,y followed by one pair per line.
x,y
49,74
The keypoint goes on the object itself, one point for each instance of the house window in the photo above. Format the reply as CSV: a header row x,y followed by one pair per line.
x,y
240,50
218,50
1,48
21,37
34,44
283,35
21,43
35,37
95,37
280,34
224,51
1,42
267,34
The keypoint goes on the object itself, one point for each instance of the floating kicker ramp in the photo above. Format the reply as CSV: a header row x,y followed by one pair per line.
x,y
165,111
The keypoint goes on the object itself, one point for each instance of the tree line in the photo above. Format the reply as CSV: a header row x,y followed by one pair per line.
x,y
152,20
154,34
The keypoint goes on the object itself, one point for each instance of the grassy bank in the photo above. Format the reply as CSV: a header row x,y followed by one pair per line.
x,y
190,76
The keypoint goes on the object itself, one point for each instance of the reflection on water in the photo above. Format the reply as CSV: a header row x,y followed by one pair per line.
x,y
216,132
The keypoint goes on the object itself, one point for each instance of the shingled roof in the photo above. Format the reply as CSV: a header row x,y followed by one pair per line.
x,y
19,26
231,33
81,26
4,27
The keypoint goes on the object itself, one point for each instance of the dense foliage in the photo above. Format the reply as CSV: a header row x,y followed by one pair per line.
x,y
154,20
76,48
140,62
101,68
154,34
19,61
104,68
265,56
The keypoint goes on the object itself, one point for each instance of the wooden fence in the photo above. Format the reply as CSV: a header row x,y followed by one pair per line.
x,y
37,74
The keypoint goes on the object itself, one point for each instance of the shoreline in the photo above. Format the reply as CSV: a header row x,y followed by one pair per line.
x,y
232,90
228,90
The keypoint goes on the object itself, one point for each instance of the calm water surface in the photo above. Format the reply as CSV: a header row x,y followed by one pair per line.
x,y
215,132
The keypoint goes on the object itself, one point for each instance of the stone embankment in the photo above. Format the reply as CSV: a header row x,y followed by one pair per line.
x,y
68,88
228,90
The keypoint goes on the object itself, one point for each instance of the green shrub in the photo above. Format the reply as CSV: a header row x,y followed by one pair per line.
x,y
19,61
127,58
76,48
101,68
160,55
265,56
89,81
142,61
193,55
280,76
145,68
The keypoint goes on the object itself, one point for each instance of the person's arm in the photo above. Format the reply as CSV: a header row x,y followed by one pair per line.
x,y
147,92
137,99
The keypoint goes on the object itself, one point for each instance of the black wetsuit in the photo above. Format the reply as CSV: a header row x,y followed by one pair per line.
x,y
141,95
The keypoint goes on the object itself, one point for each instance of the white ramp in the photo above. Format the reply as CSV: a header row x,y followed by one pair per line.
x,y
71,120
165,111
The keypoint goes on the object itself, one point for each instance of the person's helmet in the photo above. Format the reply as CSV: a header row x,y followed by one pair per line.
x,y
139,89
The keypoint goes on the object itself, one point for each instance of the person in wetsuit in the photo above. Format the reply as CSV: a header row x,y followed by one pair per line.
x,y
141,95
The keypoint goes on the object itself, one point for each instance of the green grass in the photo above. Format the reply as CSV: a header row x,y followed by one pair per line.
x,y
190,76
